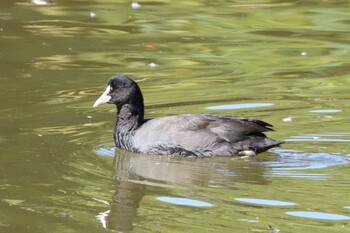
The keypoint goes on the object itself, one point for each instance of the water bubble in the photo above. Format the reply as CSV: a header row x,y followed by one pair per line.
x,y
152,64
287,119
41,2
135,5
92,14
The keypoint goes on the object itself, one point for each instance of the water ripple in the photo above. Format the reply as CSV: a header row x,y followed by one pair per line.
x,y
322,137
265,202
291,163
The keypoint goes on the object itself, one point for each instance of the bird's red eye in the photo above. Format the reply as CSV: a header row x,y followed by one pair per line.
x,y
119,87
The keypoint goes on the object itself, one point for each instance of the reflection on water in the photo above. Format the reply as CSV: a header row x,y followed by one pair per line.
x,y
135,174
106,150
326,111
318,215
288,163
175,169
239,106
124,205
184,201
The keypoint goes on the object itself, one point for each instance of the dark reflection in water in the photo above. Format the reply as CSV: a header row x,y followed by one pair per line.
x,y
135,174
127,196
124,205
212,172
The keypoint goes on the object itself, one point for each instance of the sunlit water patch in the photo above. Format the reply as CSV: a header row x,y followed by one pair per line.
x,y
265,202
184,201
239,106
318,215
296,164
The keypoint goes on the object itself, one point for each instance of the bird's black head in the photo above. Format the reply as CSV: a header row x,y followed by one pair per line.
x,y
121,90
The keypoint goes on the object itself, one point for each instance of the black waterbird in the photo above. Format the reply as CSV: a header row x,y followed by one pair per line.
x,y
202,135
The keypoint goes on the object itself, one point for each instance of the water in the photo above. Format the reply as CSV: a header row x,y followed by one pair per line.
x,y
284,62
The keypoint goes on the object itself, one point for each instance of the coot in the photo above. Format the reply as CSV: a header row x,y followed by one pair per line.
x,y
202,135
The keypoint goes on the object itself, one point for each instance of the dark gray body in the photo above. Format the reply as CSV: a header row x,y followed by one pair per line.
x,y
201,135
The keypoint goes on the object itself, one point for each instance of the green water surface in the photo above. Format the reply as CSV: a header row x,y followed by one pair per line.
x,y
284,62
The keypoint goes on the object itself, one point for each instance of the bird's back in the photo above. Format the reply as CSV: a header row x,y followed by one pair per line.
x,y
202,135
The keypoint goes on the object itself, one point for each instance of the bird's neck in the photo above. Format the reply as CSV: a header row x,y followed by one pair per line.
x,y
129,118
